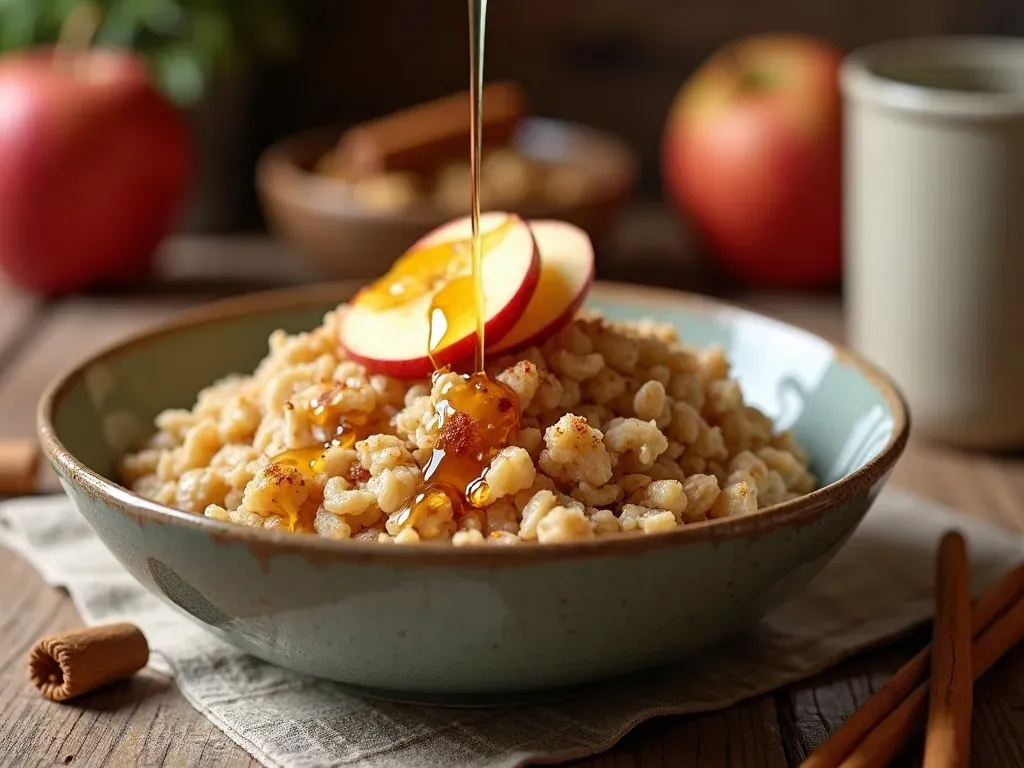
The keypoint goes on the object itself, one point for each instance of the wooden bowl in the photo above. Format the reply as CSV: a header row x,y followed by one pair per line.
x,y
344,239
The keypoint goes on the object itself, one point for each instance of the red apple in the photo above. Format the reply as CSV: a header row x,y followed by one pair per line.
x,y
426,300
94,163
751,154
566,273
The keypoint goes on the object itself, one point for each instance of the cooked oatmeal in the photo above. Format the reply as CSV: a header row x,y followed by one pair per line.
x,y
623,428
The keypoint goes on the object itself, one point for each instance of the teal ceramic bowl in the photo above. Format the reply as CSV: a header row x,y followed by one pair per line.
x,y
439,623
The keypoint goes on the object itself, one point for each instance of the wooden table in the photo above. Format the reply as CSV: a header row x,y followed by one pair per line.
x,y
147,722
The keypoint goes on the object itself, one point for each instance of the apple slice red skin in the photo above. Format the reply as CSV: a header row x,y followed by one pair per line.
x,y
462,350
458,352
552,327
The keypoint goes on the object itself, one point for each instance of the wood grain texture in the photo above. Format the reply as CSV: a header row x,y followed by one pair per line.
x,y
744,736
147,722
59,337
811,710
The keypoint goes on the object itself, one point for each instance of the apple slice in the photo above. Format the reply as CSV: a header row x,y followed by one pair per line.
x,y
425,304
566,272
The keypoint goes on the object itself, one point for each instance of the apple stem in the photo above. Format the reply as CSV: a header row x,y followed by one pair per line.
x,y
77,33
748,78
751,82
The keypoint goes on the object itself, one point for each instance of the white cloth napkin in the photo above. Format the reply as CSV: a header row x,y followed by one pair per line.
x,y
878,586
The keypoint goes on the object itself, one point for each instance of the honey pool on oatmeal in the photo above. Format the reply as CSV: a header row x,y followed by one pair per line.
x,y
608,429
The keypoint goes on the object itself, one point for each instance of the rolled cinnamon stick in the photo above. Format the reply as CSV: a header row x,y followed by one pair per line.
x,y
948,733
416,138
72,663
885,742
19,461
886,699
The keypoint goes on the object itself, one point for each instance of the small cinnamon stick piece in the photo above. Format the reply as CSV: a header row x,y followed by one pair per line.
x,y
19,460
72,663
885,742
948,734
886,699
416,138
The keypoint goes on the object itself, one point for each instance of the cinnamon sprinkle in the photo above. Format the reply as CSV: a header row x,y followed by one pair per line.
x,y
458,434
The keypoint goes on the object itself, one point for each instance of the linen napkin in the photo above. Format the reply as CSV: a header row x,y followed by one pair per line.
x,y
877,587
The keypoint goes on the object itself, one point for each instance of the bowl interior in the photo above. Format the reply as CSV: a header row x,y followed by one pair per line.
x,y
842,415
605,160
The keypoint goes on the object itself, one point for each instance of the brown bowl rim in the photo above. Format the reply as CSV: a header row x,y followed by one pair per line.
x,y
266,544
278,176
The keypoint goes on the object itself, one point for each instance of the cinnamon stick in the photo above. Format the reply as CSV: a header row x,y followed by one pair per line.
x,y
19,461
885,742
948,733
886,699
417,138
72,663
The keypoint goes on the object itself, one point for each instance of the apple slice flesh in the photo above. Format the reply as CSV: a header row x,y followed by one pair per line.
x,y
426,301
566,273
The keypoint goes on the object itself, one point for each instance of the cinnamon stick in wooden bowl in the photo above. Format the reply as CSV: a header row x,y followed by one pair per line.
x,y
353,200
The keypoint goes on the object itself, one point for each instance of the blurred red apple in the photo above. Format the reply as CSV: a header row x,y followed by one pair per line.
x,y
94,163
752,157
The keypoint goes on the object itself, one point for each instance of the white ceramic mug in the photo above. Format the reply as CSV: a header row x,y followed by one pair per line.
x,y
934,229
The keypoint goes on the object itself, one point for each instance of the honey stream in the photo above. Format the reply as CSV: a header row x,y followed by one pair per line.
x,y
476,416
475,419
477,34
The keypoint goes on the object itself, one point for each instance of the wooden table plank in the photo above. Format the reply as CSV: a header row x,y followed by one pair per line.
x,y
17,311
69,332
744,736
72,331
146,721
248,260
811,709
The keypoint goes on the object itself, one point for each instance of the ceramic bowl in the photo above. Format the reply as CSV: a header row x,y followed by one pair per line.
x,y
472,623
343,240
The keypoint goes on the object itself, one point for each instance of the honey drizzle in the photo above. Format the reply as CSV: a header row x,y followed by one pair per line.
x,y
308,461
477,416
477,34
448,306
333,429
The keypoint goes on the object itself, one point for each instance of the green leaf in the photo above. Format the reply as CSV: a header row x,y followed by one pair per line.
x,y
212,36
189,41
55,13
163,17
18,20
180,74
120,24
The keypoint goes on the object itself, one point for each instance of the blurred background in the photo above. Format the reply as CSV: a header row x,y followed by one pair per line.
x,y
248,73
610,64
